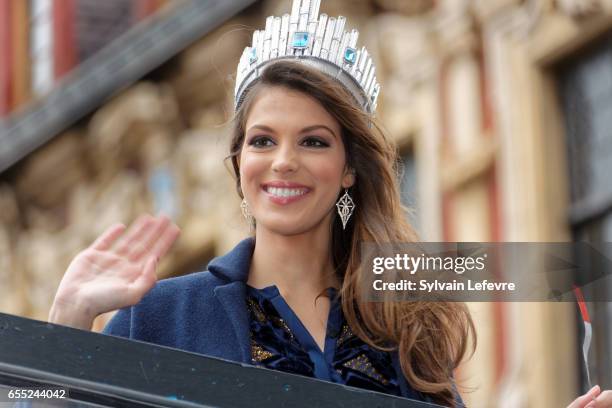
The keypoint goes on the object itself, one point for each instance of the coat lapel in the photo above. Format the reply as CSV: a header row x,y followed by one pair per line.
x,y
233,268
232,297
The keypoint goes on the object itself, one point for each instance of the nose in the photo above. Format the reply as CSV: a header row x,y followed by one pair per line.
x,y
285,159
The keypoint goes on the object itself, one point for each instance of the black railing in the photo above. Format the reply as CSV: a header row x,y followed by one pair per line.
x,y
99,370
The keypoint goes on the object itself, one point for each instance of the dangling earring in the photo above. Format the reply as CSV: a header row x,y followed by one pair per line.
x,y
246,213
345,207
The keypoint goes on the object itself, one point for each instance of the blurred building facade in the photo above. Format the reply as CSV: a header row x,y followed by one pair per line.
x,y
500,110
42,40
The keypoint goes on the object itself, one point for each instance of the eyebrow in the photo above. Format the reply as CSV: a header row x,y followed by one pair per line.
x,y
306,129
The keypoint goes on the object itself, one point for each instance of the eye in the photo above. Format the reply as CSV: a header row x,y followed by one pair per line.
x,y
261,141
314,142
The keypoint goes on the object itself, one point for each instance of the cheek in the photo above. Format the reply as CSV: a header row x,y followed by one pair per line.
x,y
327,172
252,168
328,168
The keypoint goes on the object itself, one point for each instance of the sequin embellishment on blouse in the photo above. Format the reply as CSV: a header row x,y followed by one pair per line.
x,y
280,342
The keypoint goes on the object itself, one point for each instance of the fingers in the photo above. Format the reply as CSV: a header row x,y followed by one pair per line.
x,y
132,243
584,400
161,244
108,237
604,400
147,236
165,241
157,232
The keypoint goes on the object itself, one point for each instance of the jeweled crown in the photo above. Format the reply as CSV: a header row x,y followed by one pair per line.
x,y
317,40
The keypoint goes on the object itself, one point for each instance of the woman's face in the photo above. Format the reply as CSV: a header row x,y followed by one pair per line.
x,y
292,163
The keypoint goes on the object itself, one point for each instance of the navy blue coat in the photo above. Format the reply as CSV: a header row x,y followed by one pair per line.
x,y
204,312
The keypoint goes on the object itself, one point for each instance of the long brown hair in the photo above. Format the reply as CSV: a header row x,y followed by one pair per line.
x,y
431,337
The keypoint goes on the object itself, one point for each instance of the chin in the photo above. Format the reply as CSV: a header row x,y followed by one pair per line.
x,y
287,226
286,229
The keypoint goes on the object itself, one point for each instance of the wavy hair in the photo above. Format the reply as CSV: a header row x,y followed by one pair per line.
x,y
431,338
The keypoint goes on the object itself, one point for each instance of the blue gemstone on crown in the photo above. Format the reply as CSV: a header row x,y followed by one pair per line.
x,y
300,39
253,55
350,54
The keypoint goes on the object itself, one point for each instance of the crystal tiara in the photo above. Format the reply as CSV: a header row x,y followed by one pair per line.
x,y
317,40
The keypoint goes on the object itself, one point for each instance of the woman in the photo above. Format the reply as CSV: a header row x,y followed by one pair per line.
x,y
299,142
316,179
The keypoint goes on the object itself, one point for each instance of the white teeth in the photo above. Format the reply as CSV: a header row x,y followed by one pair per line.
x,y
286,192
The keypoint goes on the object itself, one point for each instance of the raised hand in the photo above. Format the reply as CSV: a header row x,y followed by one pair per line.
x,y
595,398
116,271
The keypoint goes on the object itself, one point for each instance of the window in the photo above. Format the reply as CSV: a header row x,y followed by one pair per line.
x,y
585,89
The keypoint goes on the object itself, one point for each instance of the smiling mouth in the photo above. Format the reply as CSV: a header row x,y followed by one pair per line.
x,y
285,192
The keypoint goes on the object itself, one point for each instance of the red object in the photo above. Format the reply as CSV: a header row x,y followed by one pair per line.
x,y
64,39
6,58
582,304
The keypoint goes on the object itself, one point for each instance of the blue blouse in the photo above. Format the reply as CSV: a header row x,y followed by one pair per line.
x,y
280,341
